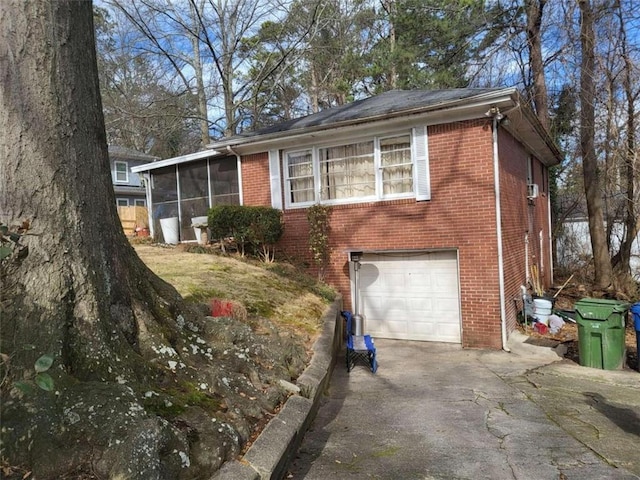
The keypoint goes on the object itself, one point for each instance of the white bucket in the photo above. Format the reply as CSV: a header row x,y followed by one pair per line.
x,y
542,310
170,228
198,231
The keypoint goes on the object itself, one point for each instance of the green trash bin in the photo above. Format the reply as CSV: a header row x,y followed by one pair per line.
x,y
601,332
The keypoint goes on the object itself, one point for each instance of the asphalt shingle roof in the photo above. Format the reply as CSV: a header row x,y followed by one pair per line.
x,y
384,104
124,152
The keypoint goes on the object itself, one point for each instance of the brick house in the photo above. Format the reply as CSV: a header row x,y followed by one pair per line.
x,y
443,195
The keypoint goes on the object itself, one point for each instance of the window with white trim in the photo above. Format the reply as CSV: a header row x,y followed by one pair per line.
x,y
396,165
121,171
347,171
140,202
377,168
122,202
299,174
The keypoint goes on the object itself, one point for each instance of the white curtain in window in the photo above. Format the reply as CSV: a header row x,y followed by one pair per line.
x,y
347,171
300,175
395,160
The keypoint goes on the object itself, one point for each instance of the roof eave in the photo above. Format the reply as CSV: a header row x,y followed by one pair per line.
x,y
177,160
526,127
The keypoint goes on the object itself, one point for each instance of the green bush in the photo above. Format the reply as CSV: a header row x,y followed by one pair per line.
x,y
254,228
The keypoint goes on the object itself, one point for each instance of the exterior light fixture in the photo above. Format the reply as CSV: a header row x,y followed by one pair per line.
x,y
355,256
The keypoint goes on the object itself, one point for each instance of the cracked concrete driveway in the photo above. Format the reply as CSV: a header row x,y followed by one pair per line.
x,y
436,411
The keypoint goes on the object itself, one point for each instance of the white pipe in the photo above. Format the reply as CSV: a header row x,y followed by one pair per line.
x,y
147,194
239,168
550,239
356,268
496,175
523,289
526,258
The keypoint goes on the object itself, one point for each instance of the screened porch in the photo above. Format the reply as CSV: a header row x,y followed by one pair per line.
x,y
184,191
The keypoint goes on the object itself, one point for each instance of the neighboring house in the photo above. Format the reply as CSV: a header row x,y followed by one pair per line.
x,y
128,187
444,194
573,245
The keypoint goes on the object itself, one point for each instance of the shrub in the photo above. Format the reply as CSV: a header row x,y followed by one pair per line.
x,y
258,228
318,217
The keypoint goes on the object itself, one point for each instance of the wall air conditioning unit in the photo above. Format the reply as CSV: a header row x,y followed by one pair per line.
x,y
532,191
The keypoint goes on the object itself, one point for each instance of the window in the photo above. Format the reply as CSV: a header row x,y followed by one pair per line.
x,y
300,176
395,164
122,202
140,202
347,171
369,169
121,171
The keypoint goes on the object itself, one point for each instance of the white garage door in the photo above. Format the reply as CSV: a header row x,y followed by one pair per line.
x,y
410,296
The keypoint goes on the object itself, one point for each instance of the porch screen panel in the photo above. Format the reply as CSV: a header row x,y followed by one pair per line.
x,y
164,197
300,176
194,195
347,171
396,166
225,187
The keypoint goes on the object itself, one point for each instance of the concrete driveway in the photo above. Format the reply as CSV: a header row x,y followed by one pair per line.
x,y
436,411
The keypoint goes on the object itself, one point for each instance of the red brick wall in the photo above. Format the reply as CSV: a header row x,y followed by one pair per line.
x,y
460,215
256,187
523,220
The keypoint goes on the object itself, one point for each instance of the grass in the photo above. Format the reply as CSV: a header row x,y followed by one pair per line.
x,y
278,292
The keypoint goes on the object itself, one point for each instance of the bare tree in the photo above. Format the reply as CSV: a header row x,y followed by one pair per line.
x,y
534,11
217,32
593,188
167,31
629,73
144,108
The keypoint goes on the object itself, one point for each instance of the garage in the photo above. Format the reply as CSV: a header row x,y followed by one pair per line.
x,y
410,295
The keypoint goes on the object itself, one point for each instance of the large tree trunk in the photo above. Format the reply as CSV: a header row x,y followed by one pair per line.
x,y
593,189
534,10
79,292
389,7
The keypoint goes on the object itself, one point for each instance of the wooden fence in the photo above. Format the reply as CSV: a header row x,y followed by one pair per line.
x,y
135,220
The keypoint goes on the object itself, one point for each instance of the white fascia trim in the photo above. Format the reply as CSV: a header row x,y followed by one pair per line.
x,y
177,160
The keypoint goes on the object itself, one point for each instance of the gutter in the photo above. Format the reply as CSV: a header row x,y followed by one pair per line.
x,y
496,175
175,160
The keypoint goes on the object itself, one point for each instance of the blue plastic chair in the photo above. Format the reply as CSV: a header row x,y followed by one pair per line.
x,y
359,347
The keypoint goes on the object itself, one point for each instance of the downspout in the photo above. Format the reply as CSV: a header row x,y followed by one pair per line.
x,y
550,238
179,204
239,166
526,257
147,194
496,175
